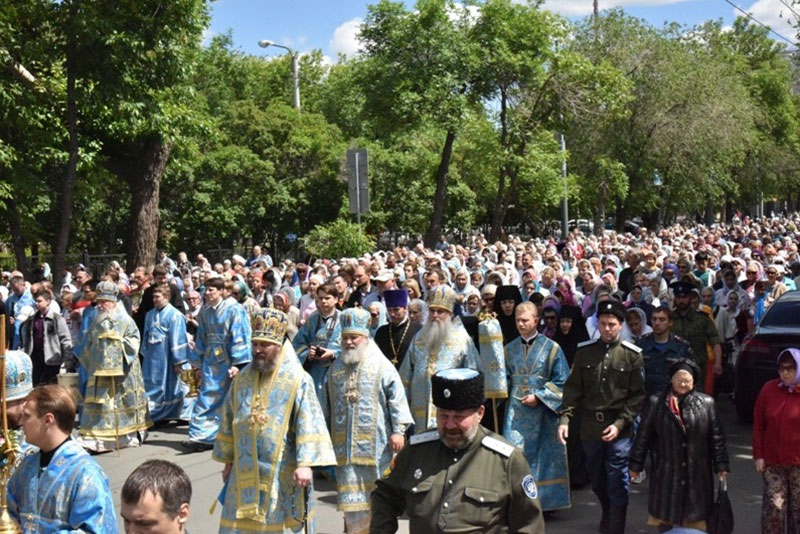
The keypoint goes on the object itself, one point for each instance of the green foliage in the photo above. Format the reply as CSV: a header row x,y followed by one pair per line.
x,y
338,239
714,111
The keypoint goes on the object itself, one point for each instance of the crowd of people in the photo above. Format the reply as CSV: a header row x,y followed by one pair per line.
x,y
554,364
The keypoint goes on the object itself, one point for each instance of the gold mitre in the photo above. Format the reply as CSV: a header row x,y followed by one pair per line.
x,y
442,297
269,325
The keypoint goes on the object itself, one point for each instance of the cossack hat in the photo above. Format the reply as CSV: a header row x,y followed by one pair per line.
x,y
681,289
442,298
269,325
19,375
107,290
355,321
457,389
396,298
611,307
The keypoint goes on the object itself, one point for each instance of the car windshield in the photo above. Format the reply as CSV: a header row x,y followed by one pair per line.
x,y
786,313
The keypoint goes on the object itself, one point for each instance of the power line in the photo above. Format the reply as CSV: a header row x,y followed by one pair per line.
x,y
751,17
790,8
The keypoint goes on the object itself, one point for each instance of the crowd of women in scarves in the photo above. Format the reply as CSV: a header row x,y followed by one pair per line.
x,y
603,356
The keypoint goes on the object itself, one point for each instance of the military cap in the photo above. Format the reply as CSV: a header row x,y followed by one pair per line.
x,y
611,307
682,289
457,389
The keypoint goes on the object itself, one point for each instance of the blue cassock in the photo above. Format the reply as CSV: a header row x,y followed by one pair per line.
x,y
222,341
164,345
321,333
87,318
14,305
540,370
70,495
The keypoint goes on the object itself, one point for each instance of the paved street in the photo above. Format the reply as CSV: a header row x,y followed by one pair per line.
x,y
745,485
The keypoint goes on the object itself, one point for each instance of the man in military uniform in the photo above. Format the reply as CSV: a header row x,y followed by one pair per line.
x,y
660,349
697,328
458,477
395,337
606,382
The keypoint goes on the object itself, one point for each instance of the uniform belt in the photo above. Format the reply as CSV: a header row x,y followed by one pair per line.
x,y
605,415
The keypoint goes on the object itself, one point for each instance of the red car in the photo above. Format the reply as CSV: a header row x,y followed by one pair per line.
x,y
779,329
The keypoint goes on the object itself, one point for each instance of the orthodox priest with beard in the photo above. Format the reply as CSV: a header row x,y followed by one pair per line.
x,y
366,409
394,338
441,344
271,434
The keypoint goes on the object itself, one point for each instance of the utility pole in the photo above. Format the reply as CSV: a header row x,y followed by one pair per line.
x,y
596,5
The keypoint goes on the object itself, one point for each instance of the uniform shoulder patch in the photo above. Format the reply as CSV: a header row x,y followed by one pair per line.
x,y
497,446
425,437
681,340
529,487
631,346
586,343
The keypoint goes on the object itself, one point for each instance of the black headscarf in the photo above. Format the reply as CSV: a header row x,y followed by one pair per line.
x,y
508,323
577,332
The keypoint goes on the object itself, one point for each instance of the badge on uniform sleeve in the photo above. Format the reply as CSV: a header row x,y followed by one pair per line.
x,y
418,474
529,487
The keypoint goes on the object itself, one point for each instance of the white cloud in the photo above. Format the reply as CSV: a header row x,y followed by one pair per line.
x,y
345,38
776,15
584,7
208,34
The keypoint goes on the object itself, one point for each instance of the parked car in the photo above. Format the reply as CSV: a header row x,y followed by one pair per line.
x,y
778,329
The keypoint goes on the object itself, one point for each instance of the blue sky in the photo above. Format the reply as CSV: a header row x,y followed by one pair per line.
x,y
331,25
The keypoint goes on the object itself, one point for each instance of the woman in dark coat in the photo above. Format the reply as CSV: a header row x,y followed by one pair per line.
x,y
682,429
570,333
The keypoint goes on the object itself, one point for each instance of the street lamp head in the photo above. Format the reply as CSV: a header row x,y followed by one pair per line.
x,y
264,43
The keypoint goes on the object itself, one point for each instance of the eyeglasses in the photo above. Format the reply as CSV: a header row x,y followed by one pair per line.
x,y
787,368
772,272
487,299
374,314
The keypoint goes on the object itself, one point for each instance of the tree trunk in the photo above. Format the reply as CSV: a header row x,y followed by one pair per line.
x,y
600,212
435,227
621,213
18,241
709,212
141,165
68,185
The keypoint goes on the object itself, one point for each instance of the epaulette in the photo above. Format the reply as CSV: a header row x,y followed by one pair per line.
x,y
631,346
497,446
586,343
679,339
425,437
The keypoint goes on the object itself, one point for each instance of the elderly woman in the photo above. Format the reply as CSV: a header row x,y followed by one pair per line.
x,y
776,446
681,428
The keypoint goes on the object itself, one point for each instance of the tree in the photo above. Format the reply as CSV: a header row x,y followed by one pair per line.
x,y
137,58
536,84
416,69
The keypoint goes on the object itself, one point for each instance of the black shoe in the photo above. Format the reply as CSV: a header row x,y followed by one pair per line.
x,y
196,446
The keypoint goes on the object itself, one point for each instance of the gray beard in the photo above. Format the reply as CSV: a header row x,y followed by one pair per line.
x,y
264,366
435,333
355,355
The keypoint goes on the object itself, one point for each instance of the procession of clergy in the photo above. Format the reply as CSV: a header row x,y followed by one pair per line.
x,y
330,402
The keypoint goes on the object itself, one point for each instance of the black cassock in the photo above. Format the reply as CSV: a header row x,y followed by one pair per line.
x,y
395,340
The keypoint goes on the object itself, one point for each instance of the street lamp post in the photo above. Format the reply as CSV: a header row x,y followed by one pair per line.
x,y
264,43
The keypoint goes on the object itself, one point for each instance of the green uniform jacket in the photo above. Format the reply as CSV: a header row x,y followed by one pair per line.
x,y
486,487
696,328
607,383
